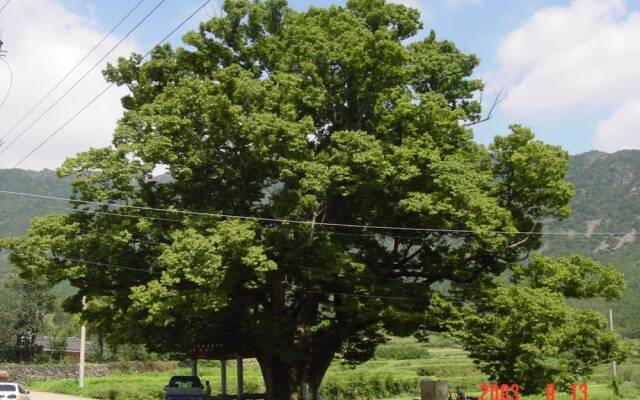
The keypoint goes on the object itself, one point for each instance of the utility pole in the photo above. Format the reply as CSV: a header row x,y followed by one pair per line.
x,y
2,52
83,337
613,364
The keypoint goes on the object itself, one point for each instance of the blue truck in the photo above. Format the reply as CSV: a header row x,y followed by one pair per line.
x,y
185,388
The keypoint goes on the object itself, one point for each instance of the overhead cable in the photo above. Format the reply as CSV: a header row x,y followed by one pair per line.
x,y
334,293
77,82
306,222
6,96
57,85
5,5
55,132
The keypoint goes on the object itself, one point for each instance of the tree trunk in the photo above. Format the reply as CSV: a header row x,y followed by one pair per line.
x,y
101,346
285,381
282,381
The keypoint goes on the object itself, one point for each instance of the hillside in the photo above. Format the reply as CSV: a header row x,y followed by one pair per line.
x,y
17,211
607,201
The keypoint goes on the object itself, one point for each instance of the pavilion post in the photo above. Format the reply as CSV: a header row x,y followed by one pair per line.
x,y
305,391
194,367
240,371
223,377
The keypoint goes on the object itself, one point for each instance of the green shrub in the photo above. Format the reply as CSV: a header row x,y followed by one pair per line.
x,y
365,386
42,358
401,351
425,371
252,387
439,340
629,375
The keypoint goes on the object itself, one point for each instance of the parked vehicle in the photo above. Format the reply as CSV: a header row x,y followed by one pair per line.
x,y
13,391
184,388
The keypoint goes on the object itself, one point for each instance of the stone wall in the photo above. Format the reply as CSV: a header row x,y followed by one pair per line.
x,y
25,373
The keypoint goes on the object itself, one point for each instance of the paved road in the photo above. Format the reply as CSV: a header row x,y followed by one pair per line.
x,y
53,396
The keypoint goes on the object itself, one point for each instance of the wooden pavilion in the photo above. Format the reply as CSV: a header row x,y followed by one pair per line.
x,y
217,352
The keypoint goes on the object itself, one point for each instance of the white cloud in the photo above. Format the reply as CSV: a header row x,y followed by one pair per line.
x,y
580,57
621,130
40,53
457,4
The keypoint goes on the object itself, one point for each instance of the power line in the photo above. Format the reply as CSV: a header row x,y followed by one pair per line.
x,y
325,270
353,274
307,222
54,133
301,267
10,84
105,234
125,215
60,127
25,116
122,215
334,293
368,234
77,82
364,296
106,264
97,263
5,4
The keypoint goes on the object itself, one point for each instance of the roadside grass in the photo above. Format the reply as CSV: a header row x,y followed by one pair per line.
x,y
394,373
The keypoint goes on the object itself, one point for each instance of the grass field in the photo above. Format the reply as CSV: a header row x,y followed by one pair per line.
x,y
394,374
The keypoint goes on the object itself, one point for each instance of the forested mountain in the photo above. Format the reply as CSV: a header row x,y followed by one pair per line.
x,y
605,223
607,201
17,211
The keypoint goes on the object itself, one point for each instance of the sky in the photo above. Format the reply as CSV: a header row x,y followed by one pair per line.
x,y
570,70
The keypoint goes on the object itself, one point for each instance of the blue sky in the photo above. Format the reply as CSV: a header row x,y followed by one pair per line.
x,y
570,69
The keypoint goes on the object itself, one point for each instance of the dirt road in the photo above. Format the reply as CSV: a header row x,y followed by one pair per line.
x,y
53,396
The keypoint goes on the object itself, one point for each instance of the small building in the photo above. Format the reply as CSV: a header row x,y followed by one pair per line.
x,y
61,348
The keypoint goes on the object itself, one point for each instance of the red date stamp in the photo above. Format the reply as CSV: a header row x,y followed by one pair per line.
x,y
512,391
578,392
500,392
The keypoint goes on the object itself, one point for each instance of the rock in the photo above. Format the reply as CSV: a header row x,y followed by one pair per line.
x,y
434,390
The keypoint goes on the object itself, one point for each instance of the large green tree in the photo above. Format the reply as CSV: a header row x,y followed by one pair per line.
x,y
527,333
332,116
25,304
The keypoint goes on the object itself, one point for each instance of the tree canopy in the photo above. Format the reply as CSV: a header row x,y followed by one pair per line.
x,y
25,304
527,334
299,138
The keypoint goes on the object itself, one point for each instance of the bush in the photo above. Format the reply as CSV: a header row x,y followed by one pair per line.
x,y
425,371
143,366
630,375
398,351
361,386
440,340
133,352
42,358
